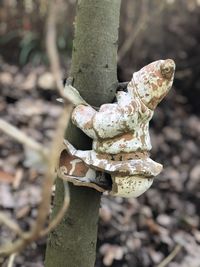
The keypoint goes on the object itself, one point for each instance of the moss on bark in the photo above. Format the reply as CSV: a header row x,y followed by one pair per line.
x,y
94,69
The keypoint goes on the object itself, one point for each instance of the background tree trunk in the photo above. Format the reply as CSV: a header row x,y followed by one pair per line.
x,y
94,69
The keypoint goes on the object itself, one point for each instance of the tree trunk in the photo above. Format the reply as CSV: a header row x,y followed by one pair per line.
x,y
94,69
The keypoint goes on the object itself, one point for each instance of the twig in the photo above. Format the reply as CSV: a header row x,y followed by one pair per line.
x,y
37,229
59,134
141,26
69,93
11,224
43,210
51,45
11,260
50,176
60,214
170,257
22,137
65,116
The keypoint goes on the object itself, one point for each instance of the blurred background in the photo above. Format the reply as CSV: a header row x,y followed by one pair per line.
x,y
133,232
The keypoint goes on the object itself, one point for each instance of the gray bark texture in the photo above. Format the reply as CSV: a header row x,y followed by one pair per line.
x,y
94,69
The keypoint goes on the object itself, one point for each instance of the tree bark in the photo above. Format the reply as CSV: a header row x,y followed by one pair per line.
x,y
94,69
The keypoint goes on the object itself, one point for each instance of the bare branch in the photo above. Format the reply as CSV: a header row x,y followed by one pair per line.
x,y
36,232
52,155
43,211
11,224
170,257
13,247
141,26
50,176
22,137
51,47
11,260
69,93
128,43
60,214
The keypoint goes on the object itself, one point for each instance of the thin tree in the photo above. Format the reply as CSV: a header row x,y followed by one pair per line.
x,y
94,70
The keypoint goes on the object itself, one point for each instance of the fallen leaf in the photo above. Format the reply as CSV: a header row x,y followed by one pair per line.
x,y
6,177
111,253
46,81
18,178
6,197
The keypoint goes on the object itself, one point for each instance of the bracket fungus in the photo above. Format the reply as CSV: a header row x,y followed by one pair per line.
x,y
119,161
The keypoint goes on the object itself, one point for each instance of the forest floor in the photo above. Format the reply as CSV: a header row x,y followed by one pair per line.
x,y
133,232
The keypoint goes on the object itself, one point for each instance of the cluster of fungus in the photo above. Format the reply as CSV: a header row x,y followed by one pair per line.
x,y
119,161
